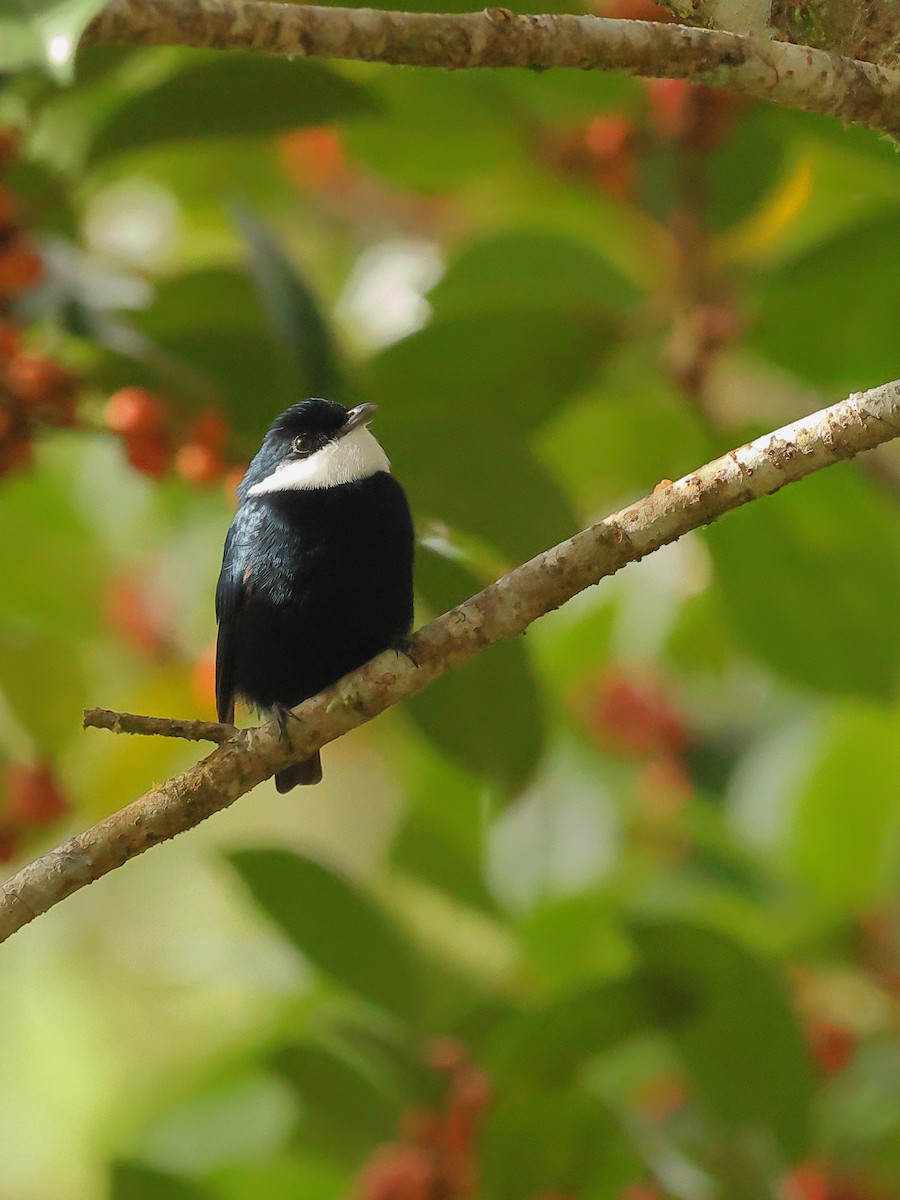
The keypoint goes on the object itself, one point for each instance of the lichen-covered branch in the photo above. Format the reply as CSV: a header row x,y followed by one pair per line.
x,y
504,609
795,76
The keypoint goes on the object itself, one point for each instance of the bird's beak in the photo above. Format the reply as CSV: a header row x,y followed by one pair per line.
x,y
361,415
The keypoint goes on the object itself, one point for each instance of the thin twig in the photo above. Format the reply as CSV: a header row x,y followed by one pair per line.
x,y
787,74
122,722
504,609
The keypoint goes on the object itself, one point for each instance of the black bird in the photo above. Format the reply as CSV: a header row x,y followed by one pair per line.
x,y
318,565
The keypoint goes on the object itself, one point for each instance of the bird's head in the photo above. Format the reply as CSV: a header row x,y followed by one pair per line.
x,y
315,444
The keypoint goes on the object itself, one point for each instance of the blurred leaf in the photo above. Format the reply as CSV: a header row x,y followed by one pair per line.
x,y
511,366
231,95
44,33
547,1047
806,323
575,938
334,925
35,510
282,1177
239,372
805,578
736,1033
560,1142
744,168
506,272
480,477
845,836
439,128
28,661
294,316
486,715
431,855
215,297
347,1107
132,1181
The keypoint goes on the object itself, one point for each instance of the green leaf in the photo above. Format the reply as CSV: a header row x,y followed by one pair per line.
x,y
44,33
479,477
334,925
547,1048
511,365
845,829
232,95
215,298
295,320
506,272
487,715
744,168
734,1029
348,1108
807,324
52,715
562,1142
806,576
132,1181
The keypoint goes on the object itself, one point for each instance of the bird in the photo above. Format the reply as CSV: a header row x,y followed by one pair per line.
x,y
317,569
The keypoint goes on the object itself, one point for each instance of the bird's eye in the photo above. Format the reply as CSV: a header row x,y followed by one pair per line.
x,y
302,444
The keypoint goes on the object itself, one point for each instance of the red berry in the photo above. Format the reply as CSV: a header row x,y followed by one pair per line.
x,y
9,341
833,1046
134,410
637,10
9,145
446,1054
398,1172
632,717
33,795
806,1182
148,453
16,451
9,843
609,136
7,208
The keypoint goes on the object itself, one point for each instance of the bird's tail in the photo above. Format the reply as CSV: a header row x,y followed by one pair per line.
x,y
306,772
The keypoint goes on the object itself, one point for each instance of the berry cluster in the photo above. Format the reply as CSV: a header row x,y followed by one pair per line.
x,y
436,1156
141,420
30,798
34,390
608,148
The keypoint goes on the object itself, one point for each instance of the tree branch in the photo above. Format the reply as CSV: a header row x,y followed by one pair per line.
x,y
794,76
192,731
504,609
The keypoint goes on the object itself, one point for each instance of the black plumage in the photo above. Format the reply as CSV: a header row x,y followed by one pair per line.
x,y
317,570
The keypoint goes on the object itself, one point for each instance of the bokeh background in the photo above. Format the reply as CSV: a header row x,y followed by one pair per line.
x,y
612,913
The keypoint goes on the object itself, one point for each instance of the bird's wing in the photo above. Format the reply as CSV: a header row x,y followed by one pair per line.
x,y
229,603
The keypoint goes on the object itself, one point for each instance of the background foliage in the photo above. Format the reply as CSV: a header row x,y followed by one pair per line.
x,y
613,911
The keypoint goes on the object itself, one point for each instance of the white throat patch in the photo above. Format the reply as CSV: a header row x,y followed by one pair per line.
x,y
351,458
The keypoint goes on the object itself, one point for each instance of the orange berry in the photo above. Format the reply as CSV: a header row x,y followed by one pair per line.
x,y
33,795
199,464
609,136
446,1054
313,157
35,380
669,106
636,717
397,1172
149,454
20,267
210,430
807,1182
16,452
203,680
134,410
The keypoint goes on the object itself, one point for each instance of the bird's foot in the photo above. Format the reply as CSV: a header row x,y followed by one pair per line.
x,y
282,714
407,647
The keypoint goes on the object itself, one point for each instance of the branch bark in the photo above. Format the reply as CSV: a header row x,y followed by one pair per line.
x,y
504,609
794,76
